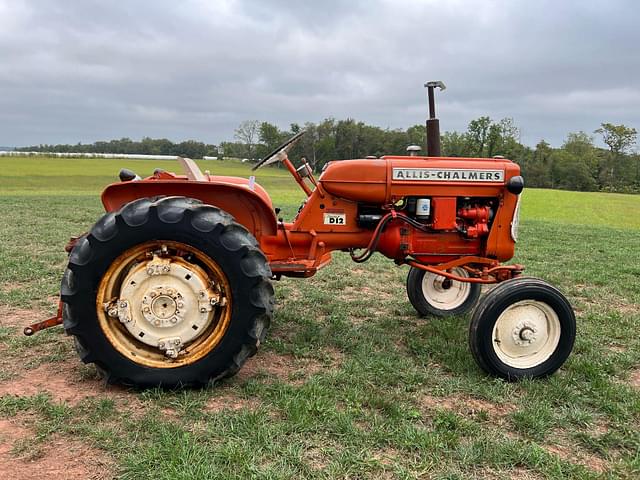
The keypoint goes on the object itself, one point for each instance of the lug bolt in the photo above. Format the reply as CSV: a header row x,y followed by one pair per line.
x,y
149,271
157,323
174,320
113,312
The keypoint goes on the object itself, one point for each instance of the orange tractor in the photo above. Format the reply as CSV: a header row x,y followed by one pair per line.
x,y
174,284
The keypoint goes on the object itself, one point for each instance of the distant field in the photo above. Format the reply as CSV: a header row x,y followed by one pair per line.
x,y
350,383
56,176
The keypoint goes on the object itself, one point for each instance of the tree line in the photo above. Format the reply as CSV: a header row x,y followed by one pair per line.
x,y
578,164
146,146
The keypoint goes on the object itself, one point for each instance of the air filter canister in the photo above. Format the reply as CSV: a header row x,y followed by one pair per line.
x,y
423,208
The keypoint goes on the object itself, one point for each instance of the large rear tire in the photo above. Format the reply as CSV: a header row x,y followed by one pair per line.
x,y
167,292
523,328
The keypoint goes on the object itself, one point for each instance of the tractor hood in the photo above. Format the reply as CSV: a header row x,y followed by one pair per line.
x,y
389,179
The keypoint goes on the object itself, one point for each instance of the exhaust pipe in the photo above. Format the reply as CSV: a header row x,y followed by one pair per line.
x,y
433,124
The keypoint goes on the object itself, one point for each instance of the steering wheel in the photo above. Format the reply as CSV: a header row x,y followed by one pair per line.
x,y
281,152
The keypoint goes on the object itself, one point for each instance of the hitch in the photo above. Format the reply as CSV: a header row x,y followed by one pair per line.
x,y
44,324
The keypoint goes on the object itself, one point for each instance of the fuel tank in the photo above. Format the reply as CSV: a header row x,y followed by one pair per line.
x,y
391,178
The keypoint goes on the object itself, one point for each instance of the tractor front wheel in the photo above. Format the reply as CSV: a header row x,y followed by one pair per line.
x,y
432,294
524,328
168,293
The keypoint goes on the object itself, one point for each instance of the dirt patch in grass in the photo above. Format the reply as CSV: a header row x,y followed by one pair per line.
x,y
16,317
65,382
572,454
316,458
387,456
466,405
634,379
489,473
12,286
290,369
59,457
230,401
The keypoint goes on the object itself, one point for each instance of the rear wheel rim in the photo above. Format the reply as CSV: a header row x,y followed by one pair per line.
x,y
526,334
174,316
443,293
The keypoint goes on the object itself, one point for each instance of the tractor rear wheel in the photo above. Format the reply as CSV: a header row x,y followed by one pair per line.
x,y
167,292
432,294
524,328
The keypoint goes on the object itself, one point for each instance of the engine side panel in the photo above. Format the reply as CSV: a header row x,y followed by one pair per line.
x,y
444,182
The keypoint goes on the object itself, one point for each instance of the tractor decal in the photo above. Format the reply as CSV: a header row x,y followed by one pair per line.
x,y
335,218
448,174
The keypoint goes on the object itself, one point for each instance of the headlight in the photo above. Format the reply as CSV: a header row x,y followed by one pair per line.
x,y
515,221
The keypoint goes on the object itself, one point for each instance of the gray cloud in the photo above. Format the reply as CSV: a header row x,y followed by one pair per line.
x,y
88,70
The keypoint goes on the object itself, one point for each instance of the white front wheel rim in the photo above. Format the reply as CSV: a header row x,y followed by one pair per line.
x,y
445,294
526,334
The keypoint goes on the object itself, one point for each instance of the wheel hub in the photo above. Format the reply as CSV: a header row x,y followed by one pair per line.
x,y
443,292
163,306
166,303
526,334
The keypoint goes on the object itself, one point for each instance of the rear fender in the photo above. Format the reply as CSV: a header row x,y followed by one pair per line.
x,y
251,208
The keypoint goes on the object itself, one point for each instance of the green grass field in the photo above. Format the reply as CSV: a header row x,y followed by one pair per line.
x,y
350,383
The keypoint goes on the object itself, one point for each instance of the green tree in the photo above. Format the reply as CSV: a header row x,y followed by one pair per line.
x,y
247,135
477,134
619,139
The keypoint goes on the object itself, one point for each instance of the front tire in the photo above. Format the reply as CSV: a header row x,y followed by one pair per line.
x,y
524,328
432,294
167,292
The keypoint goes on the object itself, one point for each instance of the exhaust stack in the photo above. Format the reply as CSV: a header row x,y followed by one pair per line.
x,y
433,124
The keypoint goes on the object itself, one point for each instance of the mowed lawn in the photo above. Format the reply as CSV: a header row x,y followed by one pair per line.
x,y
350,382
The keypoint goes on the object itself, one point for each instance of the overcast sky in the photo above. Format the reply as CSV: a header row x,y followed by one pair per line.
x,y
84,70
